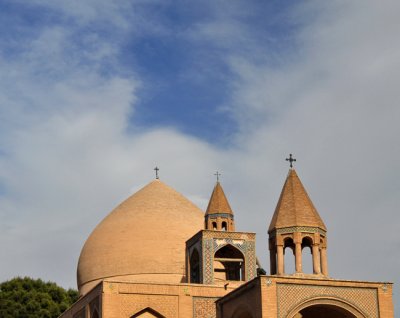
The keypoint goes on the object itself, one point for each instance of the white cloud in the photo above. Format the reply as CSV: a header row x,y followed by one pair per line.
x,y
333,104
335,107
70,154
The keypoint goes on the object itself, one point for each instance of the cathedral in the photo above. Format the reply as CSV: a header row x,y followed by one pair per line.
x,y
158,255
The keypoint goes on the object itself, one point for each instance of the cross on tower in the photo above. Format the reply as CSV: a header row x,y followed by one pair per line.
x,y
156,169
217,174
291,160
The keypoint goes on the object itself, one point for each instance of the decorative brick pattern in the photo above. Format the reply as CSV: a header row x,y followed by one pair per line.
x,y
239,244
208,261
232,235
222,215
290,296
293,229
132,303
251,270
200,250
204,307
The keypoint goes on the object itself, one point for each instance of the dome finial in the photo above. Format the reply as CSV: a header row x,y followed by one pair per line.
x,y
291,160
156,169
217,174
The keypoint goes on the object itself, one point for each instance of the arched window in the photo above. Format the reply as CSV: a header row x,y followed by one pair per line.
x,y
288,250
306,248
214,226
229,264
224,226
195,267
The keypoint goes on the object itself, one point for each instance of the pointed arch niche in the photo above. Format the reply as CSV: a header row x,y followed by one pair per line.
x,y
195,267
95,314
147,313
218,256
229,264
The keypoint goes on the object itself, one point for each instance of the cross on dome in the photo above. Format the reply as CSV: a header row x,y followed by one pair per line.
x,y
156,169
217,174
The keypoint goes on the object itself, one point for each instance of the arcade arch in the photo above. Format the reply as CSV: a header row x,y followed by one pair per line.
x,y
327,308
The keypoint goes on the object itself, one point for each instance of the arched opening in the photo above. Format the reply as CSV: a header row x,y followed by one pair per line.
x,y
243,311
327,308
288,251
195,267
224,226
243,314
214,226
326,311
147,313
95,314
307,257
229,264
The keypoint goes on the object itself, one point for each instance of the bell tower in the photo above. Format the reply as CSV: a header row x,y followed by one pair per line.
x,y
296,225
219,215
218,254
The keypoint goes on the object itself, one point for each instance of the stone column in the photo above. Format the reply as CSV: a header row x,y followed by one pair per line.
x,y
219,228
324,262
281,259
316,259
232,225
298,258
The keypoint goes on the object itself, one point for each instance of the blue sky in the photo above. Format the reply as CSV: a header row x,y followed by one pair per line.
x,y
190,76
94,94
184,69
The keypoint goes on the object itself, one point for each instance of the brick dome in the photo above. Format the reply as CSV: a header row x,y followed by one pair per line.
x,y
141,240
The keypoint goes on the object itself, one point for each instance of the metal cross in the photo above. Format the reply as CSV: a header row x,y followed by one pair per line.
x,y
291,160
156,169
217,174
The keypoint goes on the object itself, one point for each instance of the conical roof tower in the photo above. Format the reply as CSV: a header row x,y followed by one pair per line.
x,y
295,207
295,225
219,215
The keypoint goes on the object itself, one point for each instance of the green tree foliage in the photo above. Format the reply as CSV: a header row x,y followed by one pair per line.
x,y
34,298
